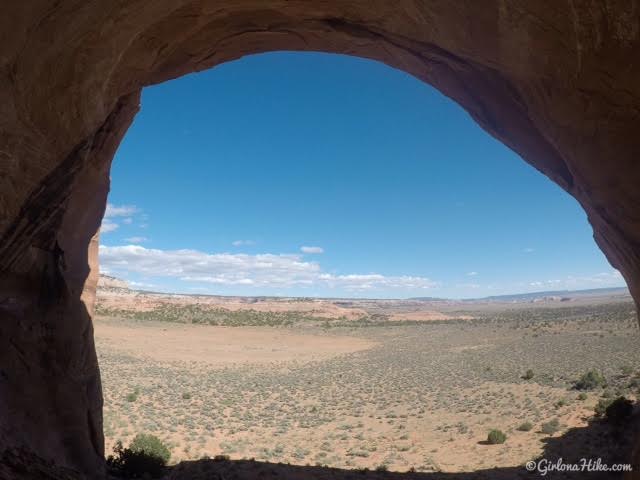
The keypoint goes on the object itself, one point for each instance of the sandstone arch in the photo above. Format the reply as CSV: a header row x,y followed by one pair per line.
x,y
559,82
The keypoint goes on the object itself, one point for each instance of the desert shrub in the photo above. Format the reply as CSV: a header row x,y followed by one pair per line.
x,y
626,370
619,410
496,436
133,396
590,380
528,375
634,382
525,427
151,445
582,396
146,456
550,427
462,427
186,396
601,407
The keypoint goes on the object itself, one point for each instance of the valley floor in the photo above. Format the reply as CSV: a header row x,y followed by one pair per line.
x,y
394,397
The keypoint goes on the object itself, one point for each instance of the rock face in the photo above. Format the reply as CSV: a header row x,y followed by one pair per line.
x,y
107,282
558,82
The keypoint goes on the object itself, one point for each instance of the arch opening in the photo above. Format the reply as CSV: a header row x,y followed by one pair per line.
x,y
458,353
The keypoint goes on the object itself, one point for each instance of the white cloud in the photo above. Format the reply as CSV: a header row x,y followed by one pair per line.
x,y
141,284
312,249
241,243
114,211
472,274
137,239
612,278
108,226
119,210
262,270
358,282
528,250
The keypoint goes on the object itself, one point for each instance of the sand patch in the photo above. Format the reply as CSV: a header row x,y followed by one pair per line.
x,y
219,346
427,316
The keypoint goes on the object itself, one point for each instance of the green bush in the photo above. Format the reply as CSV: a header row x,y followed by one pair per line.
x,y
619,410
634,383
525,427
550,427
582,396
133,396
590,380
601,407
528,375
151,445
186,396
496,436
626,370
146,456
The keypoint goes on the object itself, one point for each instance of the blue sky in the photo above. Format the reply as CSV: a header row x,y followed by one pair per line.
x,y
324,175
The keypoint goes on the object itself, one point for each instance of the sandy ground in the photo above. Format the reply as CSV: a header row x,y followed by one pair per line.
x,y
420,396
426,316
217,346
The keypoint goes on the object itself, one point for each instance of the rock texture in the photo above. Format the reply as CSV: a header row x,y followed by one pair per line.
x,y
108,283
557,81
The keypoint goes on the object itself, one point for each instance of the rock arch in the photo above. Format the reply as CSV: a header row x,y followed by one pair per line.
x,y
558,82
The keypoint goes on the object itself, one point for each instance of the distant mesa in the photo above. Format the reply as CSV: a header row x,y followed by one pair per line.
x,y
536,297
107,282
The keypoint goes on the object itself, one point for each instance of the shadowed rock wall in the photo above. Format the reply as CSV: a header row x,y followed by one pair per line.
x,y
557,81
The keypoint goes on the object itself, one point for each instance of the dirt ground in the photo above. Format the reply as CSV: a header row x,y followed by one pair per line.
x,y
399,397
214,346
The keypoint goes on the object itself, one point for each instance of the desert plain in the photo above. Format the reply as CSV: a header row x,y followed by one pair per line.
x,y
354,385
